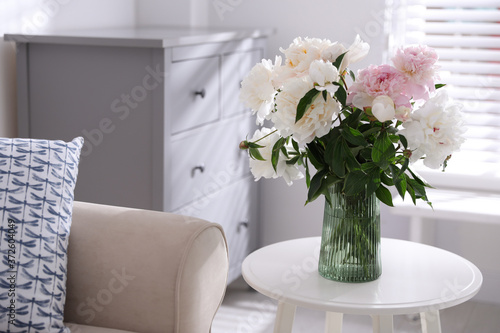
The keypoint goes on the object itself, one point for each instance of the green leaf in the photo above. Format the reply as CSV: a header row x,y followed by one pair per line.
x,y
329,181
308,175
354,118
255,154
355,182
394,171
341,95
295,145
405,165
315,186
305,102
354,137
384,195
418,188
338,61
374,179
386,179
353,77
253,145
399,180
373,182
369,166
400,185
315,155
285,152
293,160
411,191
394,138
383,151
439,85
355,150
371,131
325,95
403,140
418,179
276,152
351,161
337,162
366,154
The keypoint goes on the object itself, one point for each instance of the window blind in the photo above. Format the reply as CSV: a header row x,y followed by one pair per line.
x,y
466,36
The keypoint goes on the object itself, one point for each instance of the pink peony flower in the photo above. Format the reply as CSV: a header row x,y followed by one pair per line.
x,y
383,80
418,64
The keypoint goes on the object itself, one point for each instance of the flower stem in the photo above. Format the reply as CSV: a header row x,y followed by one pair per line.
x,y
265,136
343,81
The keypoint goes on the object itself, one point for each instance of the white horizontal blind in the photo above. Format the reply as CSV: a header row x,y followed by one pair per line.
x,y
466,36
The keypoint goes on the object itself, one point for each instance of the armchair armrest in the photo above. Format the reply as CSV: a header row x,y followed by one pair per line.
x,y
144,271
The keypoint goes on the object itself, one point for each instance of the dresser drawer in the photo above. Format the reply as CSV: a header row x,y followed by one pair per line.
x,y
235,66
234,208
195,93
208,160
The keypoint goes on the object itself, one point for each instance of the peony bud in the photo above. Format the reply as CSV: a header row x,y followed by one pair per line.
x,y
383,108
244,145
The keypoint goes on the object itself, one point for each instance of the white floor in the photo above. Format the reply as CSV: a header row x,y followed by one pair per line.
x,y
246,311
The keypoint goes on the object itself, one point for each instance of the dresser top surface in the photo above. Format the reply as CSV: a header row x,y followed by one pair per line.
x,y
156,37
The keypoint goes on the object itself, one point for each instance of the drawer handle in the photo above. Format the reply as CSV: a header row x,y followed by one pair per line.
x,y
242,225
201,93
200,168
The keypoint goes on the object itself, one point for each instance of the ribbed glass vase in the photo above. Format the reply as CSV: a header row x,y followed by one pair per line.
x,y
350,242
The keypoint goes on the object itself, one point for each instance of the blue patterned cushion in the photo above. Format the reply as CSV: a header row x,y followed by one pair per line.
x,y
37,180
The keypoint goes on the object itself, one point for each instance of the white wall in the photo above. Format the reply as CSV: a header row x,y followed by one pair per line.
x,y
31,16
181,13
155,12
335,20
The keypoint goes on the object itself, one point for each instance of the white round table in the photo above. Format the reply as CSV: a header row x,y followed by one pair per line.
x,y
416,278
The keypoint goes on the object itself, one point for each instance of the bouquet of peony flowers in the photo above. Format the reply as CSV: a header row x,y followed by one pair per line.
x,y
362,131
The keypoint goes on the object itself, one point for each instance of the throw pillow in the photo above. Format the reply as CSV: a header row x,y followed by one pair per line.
x,y
37,181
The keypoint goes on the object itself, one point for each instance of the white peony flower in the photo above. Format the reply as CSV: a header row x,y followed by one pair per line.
x,y
265,168
356,52
324,74
302,52
383,108
435,130
316,121
282,75
257,90
332,52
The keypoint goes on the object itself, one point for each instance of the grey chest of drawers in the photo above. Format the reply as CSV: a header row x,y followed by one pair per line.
x,y
159,112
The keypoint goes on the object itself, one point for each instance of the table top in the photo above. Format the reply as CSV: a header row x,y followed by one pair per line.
x,y
415,278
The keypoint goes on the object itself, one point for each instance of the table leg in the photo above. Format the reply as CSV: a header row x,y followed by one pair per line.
x,y
284,318
382,324
333,322
431,323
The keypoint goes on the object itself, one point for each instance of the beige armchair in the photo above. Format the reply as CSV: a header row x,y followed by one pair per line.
x,y
133,270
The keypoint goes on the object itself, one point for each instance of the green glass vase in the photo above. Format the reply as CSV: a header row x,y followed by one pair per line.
x,y
350,241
